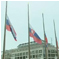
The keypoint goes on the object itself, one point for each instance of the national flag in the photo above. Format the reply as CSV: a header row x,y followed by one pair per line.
x,y
35,36
46,40
57,44
9,27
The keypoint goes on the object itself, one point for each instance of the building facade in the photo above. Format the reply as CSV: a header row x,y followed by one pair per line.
x,y
37,51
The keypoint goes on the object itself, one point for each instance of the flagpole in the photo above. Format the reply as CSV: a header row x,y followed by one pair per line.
x,y
56,40
28,34
44,37
4,32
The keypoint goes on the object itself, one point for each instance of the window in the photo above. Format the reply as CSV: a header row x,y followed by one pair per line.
x,y
40,51
20,54
12,55
36,51
52,51
20,57
55,51
48,55
17,54
16,57
32,52
44,55
48,51
24,53
52,55
52,58
40,55
23,57
33,56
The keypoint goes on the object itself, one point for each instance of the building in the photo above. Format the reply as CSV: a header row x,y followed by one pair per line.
x,y
37,51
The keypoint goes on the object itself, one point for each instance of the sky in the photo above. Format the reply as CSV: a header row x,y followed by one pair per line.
x,y
17,12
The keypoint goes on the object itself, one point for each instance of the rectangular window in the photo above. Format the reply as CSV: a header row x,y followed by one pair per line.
x,y
40,55
20,54
16,57
48,51
52,51
40,51
48,55
12,55
23,57
33,56
32,52
26,53
44,55
36,51
20,57
17,54
52,55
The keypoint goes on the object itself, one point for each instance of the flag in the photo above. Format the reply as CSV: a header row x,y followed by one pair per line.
x,y
46,40
56,40
34,35
57,44
10,28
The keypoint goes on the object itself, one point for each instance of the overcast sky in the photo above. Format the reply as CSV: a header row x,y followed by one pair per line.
x,y
17,12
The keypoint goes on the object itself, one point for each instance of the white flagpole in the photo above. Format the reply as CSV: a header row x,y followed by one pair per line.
x,y
28,34
4,32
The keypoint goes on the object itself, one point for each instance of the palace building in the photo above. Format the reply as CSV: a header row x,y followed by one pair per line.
x,y
37,51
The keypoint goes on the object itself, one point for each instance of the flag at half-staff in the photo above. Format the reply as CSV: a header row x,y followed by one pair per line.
x,y
46,40
57,44
35,36
56,40
10,28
